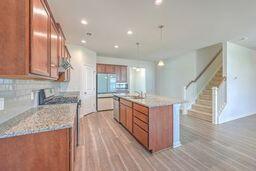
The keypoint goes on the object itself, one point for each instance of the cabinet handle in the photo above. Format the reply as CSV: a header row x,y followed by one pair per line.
x,y
53,65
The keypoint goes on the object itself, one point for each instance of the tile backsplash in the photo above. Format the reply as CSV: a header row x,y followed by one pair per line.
x,y
17,95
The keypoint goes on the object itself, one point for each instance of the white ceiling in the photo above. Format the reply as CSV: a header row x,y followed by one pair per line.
x,y
189,25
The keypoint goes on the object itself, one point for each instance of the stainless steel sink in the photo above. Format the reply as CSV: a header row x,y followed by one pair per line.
x,y
135,97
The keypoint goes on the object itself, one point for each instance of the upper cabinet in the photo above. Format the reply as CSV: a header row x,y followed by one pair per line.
x,y
31,42
118,73
54,51
123,77
65,76
110,69
101,68
119,70
40,36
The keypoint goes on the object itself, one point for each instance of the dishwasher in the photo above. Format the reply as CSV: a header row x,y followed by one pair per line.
x,y
116,108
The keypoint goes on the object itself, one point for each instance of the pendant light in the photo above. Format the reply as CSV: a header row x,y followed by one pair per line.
x,y
138,55
161,62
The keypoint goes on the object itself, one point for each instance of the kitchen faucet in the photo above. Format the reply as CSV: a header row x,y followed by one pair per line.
x,y
140,93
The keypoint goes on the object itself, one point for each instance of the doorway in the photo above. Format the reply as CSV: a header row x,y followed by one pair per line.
x,y
88,90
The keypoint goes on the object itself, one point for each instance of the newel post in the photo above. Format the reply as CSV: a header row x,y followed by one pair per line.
x,y
184,106
215,117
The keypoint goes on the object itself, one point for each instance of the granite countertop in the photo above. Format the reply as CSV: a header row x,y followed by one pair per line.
x,y
40,119
151,100
69,94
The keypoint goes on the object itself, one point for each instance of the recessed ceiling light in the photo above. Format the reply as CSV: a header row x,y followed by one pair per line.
x,y
129,32
116,46
158,2
84,22
83,41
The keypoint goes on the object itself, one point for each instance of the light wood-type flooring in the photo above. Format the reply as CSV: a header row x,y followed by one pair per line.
x,y
106,145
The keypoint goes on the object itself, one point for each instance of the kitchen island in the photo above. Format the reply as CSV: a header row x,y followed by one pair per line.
x,y
153,120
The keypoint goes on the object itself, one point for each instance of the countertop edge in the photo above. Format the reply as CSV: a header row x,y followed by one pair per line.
x,y
29,132
149,106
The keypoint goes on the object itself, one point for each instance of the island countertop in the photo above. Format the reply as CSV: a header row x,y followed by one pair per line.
x,y
151,100
40,119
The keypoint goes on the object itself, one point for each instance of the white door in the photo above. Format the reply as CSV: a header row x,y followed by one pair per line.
x,y
88,90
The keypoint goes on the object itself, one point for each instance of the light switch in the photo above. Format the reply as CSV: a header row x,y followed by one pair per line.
x,y
1,103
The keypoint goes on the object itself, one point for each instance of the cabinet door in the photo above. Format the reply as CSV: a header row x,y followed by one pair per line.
x,y
123,73
129,119
118,73
101,68
40,39
54,51
123,114
110,69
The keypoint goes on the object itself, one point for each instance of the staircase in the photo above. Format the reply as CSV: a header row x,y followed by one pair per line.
x,y
202,109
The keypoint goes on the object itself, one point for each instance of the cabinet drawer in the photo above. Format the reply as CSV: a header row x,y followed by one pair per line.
x,y
125,102
140,108
141,116
141,135
141,124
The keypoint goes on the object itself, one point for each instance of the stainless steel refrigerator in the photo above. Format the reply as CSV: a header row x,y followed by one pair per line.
x,y
106,86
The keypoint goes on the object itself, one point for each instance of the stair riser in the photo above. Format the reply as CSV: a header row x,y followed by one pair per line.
x,y
200,116
205,97
199,108
207,103
207,93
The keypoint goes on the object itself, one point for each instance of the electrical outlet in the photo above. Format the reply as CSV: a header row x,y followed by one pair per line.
x,y
1,103
32,95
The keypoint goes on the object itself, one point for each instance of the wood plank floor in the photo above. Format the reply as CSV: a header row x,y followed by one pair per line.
x,y
105,145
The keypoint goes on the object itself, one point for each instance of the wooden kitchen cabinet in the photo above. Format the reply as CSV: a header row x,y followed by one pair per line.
x,y
43,151
151,126
123,78
65,76
126,114
40,36
28,34
123,114
50,150
118,73
54,50
110,69
129,118
101,68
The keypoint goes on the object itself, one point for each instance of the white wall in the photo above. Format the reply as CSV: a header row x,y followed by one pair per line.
x,y
241,82
138,79
178,72
149,66
80,56
171,78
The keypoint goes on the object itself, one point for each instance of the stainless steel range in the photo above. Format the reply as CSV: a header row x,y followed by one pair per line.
x,y
48,97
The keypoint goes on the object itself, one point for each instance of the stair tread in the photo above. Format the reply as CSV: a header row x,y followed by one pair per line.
x,y
200,112
204,106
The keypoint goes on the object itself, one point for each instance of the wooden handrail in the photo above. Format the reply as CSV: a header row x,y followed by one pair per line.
x,y
195,80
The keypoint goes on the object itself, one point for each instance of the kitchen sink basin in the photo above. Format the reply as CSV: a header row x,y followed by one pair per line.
x,y
135,97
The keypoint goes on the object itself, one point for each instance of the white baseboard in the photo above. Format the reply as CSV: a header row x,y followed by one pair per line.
x,y
176,144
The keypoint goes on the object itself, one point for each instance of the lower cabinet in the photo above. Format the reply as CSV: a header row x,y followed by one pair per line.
x,y
126,117
140,135
123,114
129,118
151,126
51,150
